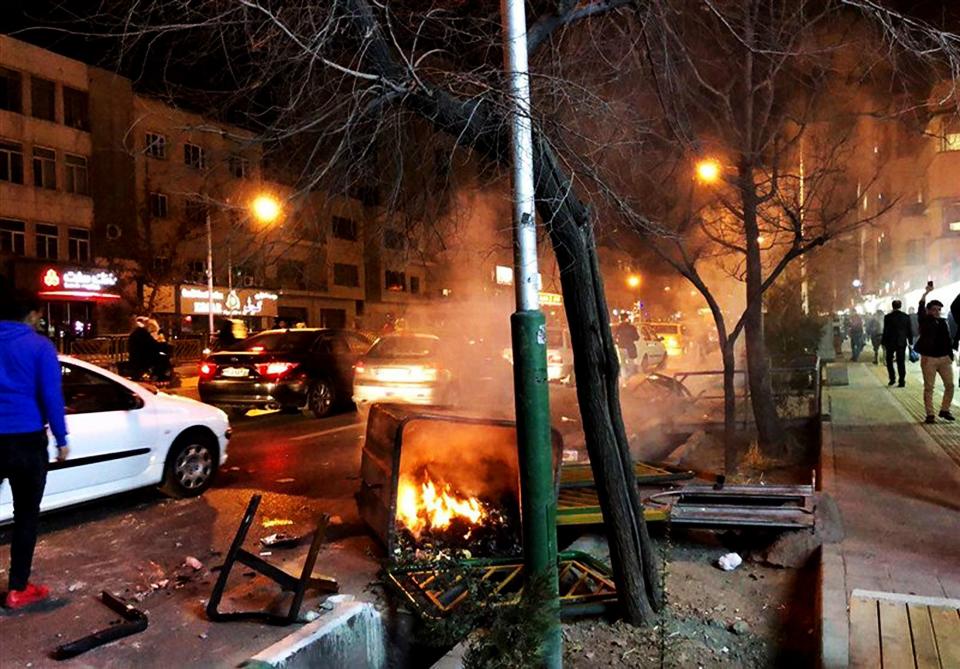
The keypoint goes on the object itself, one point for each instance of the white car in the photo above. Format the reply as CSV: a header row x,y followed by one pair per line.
x,y
651,352
124,436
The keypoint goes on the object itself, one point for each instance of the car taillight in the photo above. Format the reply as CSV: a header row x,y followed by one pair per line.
x,y
274,369
360,367
207,369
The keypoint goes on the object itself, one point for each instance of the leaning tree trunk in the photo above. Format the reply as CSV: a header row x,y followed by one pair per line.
x,y
597,372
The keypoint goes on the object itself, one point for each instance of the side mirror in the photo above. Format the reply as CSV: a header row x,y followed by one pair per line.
x,y
134,402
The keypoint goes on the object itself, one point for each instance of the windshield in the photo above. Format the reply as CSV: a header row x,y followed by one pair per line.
x,y
409,346
276,342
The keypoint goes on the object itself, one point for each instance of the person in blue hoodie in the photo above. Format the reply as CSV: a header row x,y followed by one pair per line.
x,y
31,398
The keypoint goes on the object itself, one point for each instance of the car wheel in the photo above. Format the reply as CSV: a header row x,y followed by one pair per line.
x,y
320,398
192,462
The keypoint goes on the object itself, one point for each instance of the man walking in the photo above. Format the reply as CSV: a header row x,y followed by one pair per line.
x,y
875,332
936,355
626,337
895,337
30,398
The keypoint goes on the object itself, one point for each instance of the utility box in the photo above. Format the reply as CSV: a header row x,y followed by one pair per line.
x,y
837,375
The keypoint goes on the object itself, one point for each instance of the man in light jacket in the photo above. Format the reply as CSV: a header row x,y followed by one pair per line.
x,y
935,346
31,398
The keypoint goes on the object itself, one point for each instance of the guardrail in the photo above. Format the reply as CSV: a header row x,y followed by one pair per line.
x,y
108,350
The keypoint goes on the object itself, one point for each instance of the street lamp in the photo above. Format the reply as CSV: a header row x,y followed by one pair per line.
x,y
266,209
633,281
708,170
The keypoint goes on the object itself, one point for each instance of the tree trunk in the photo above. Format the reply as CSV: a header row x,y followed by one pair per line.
x,y
769,429
597,372
729,408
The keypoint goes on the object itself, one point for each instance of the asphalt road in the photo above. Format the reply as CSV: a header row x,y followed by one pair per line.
x,y
135,545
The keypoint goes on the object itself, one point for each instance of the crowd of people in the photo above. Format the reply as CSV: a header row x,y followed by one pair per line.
x,y
927,335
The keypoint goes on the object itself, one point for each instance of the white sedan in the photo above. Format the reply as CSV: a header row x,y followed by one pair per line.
x,y
124,436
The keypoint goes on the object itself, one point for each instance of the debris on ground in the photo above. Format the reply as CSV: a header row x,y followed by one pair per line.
x,y
78,585
193,563
310,616
280,540
336,520
729,561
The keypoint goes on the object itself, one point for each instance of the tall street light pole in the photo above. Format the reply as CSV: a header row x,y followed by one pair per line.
x,y
538,504
209,276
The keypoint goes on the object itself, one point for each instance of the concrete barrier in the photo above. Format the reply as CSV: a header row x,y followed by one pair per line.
x,y
351,635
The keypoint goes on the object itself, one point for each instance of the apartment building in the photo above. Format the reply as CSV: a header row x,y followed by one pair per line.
x,y
46,205
918,238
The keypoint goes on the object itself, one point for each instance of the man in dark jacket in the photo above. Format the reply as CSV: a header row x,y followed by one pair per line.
x,y
31,397
935,347
896,335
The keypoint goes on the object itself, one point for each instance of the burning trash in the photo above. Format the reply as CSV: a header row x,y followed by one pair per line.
x,y
433,517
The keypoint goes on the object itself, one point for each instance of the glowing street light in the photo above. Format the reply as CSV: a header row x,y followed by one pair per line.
x,y
265,208
708,170
633,281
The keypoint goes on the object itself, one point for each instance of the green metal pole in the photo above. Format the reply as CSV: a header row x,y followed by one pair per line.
x,y
534,442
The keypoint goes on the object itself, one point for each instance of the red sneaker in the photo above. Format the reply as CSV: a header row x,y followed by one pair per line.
x,y
17,599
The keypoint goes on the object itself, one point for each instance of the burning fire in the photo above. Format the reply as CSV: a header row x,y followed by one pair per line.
x,y
427,506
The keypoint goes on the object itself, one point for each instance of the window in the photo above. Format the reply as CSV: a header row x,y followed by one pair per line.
x,y
43,99
344,228
950,141
44,168
11,162
156,146
239,166
346,275
78,244
76,108
395,281
75,174
12,237
158,205
195,211
88,392
11,94
193,156
291,274
951,217
915,252
414,285
393,239
48,241
161,265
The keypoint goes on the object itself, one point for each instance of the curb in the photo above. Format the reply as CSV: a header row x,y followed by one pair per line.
x,y
351,635
832,600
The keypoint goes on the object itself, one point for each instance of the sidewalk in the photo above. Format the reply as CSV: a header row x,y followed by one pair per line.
x,y
897,484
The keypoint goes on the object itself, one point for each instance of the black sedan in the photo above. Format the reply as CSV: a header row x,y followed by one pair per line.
x,y
308,369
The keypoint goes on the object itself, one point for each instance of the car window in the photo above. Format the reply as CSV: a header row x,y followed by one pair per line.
x,y
665,328
404,346
358,345
87,392
337,345
648,333
277,342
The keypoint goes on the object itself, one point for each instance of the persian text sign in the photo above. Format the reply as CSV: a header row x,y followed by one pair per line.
x,y
238,302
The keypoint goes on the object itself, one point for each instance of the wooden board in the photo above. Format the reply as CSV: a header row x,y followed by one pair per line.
x,y
946,628
924,644
864,634
895,644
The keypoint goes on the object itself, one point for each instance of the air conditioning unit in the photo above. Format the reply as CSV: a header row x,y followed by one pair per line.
x,y
114,232
248,282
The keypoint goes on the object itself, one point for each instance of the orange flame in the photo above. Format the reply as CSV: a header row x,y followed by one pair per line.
x,y
429,506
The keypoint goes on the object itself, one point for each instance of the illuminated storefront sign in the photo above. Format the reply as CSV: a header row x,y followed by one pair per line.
x,y
83,284
238,302
551,299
